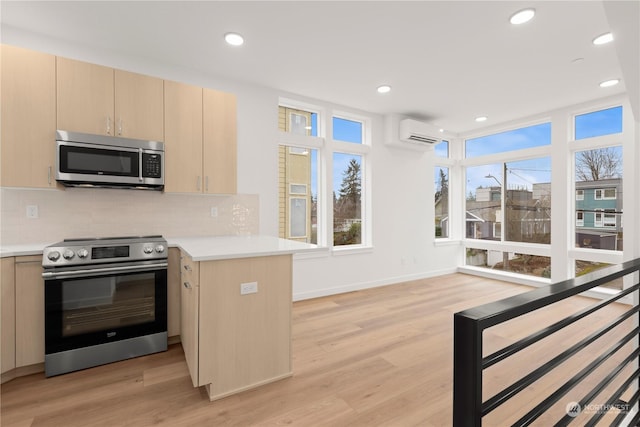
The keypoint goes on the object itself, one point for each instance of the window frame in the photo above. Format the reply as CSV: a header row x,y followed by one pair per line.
x,y
326,146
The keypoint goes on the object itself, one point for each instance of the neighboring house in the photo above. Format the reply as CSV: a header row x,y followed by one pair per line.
x,y
528,219
599,214
294,181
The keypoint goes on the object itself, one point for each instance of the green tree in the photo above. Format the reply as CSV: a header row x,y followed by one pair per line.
x,y
348,202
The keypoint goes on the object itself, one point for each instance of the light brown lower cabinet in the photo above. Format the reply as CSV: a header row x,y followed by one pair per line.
x,y
8,313
29,311
235,342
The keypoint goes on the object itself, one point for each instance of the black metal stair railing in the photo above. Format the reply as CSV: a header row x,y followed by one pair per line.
x,y
469,363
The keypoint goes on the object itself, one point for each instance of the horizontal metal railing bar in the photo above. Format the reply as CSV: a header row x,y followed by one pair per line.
x,y
510,350
600,386
614,398
533,414
491,314
632,402
507,393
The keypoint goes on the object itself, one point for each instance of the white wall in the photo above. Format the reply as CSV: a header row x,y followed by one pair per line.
x,y
402,198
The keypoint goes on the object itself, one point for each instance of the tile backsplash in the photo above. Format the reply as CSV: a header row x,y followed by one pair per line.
x,y
100,212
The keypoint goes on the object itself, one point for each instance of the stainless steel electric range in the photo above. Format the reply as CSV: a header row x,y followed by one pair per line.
x,y
105,300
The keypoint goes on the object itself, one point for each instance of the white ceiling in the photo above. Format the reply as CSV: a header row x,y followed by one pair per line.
x,y
447,61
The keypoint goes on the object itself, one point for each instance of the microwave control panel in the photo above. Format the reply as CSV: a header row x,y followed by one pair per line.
x,y
151,165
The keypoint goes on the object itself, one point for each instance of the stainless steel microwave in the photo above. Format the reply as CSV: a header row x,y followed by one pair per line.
x,y
85,160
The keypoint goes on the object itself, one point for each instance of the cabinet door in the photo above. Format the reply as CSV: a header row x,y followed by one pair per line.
x,y
139,106
220,142
28,118
8,315
183,137
189,316
85,97
173,293
29,311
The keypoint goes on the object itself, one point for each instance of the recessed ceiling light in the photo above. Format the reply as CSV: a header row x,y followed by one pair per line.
x,y
610,83
441,130
481,119
234,39
384,89
603,39
522,16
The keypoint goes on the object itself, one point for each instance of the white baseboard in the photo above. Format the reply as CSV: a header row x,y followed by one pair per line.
x,y
299,296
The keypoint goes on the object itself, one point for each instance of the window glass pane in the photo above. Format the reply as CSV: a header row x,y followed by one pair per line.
x,y
599,179
598,123
528,201
586,267
442,149
517,139
298,218
484,201
298,177
530,265
347,130
441,180
299,122
347,200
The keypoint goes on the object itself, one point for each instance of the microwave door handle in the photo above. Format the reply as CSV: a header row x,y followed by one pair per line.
x,y
140,169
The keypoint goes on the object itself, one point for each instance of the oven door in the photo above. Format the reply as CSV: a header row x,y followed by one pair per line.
x,y
105,303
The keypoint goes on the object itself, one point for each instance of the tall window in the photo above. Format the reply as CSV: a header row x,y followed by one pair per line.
x,y
508,202
348,161
298,177
441,201
317,147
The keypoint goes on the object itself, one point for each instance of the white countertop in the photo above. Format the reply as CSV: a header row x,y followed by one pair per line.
x,y
227,247
200,248
23,250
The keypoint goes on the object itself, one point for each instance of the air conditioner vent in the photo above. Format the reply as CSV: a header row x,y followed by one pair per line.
x,y
423,139
418,132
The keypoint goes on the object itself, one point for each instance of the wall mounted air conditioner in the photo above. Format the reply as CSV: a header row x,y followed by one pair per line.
x,y
411,134
416,132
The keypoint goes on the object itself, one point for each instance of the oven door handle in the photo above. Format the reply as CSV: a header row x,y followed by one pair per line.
x,y
102,271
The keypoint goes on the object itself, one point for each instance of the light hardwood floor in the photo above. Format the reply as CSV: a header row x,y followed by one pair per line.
x,y
376,357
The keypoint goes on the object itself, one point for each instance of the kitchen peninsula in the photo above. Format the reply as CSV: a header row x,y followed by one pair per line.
x,y
229,302
235,310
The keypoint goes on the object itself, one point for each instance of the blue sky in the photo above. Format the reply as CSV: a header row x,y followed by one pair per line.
x,y
521,174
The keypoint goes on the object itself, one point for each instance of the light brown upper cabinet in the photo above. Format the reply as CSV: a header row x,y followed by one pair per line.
x,y
183,138
28,118
100,100
219,142
200,140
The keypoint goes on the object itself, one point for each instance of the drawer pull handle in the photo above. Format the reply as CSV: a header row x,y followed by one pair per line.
x,y
187,267
187,285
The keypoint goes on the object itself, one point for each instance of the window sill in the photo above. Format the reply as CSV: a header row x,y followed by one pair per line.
x,y
321,252
447,242
351,250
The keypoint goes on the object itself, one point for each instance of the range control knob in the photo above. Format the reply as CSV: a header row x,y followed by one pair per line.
x,y
160,249
148,249
53,255
68,254
83,253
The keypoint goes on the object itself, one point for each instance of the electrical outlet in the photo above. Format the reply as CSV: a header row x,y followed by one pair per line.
x,y
248,288
32,211
214,212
